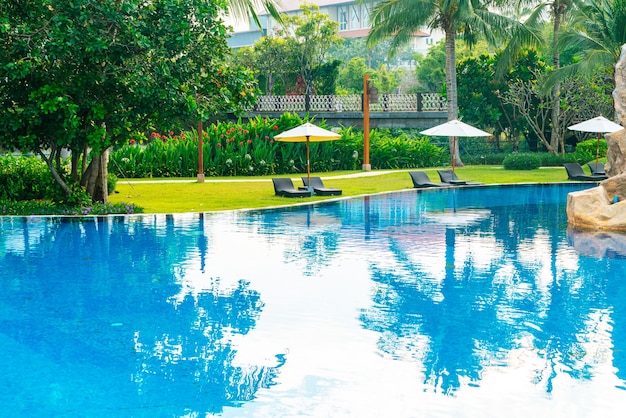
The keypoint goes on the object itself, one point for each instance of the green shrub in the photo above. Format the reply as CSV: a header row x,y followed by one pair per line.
x,y
47,207
485,159
522,161
582,157
111,182
249,149
549,159
25,178
592,146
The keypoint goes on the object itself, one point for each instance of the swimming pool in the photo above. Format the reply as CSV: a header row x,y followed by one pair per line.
x,y
462,302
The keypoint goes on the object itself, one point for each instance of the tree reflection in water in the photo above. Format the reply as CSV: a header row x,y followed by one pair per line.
x,y
124,317
459,287
507,288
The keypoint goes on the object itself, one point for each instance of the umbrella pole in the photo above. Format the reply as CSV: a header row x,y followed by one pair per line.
x,y
597,150
453,152
308,162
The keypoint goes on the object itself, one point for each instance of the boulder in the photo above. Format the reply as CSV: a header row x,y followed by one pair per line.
x,y
594,208
619,93
616,153
616,142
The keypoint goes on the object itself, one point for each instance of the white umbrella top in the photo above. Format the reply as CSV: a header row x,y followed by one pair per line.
x,y
454,128
598,124
307,132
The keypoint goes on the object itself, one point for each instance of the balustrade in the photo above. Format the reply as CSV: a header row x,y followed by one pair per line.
x,y
419,102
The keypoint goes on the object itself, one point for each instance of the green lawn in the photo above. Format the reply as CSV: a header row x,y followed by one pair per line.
x,y
227,193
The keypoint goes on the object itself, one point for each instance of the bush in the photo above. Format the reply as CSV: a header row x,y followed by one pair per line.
x,y
249,149
47,207
25,178
520,161
111,182
486,159
551,160
591,147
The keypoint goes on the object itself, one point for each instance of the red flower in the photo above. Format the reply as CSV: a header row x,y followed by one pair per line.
x,y
267,137
132,142
275,127
241,143
249,141
219,145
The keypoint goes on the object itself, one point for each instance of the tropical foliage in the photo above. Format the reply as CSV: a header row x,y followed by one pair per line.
x,y
82,75
398,20
249,149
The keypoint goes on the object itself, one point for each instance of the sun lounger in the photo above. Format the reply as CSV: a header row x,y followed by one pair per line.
x,y
449,177
284,187
421,180
575,172
597,170
318,186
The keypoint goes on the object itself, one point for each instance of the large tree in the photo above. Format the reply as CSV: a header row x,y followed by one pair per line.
x,y
555,12
596,35
82,75
399,20
311,33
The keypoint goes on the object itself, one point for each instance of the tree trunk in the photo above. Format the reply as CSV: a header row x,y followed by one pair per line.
x,y
55,174
555,137
75,162
94,179
451,91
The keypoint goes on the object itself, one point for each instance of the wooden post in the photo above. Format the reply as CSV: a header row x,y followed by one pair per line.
x,y
366,124
200,153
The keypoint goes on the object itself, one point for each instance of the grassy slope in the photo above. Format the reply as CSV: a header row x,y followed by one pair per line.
x,y
257,192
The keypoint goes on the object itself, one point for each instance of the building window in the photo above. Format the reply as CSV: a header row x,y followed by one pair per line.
x,y
355,18
365,16
343,18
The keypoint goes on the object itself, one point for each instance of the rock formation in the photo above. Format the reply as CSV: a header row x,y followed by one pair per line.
x,y
595,208
616,142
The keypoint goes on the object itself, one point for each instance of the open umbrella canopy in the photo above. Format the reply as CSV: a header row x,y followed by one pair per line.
x,y
454,128
598,124
307,132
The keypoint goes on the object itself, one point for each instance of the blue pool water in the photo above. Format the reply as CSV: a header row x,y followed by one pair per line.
x,y
466,302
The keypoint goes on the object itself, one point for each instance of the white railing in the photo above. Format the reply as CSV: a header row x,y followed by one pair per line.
x,y
419,102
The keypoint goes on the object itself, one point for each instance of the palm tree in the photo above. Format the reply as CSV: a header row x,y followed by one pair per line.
x,y
244,9
398,20
597,32
557,10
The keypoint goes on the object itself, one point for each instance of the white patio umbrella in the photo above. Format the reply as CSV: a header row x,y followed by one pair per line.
x,y
454,128
598,124
308,133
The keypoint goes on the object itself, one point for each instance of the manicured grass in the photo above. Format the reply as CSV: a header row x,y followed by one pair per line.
x,y
186,195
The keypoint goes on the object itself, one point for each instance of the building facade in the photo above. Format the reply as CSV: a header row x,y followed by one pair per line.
x,y
352,16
